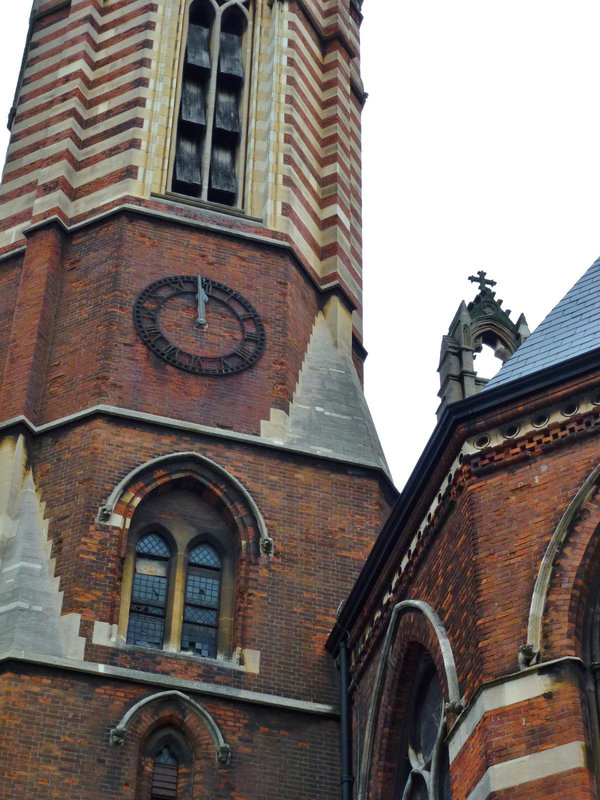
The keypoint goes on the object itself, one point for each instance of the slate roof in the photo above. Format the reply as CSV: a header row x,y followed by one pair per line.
x,y
571,329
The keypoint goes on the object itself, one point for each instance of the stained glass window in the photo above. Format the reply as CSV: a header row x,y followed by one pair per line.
x,y
153,545
423,771
206,556
202,595
149,592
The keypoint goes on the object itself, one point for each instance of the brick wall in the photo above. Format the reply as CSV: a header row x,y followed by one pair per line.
x,y
274,753
476,563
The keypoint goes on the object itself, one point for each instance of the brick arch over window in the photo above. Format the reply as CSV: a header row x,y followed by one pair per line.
x,y
413,628
190,731
200,505
124,499
568,570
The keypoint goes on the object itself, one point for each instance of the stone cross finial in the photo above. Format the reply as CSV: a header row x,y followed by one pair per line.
x,y
483,282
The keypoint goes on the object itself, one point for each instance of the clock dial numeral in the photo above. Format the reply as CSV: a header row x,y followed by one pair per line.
x,y
180,283
244,353
168,351
195,364
158,295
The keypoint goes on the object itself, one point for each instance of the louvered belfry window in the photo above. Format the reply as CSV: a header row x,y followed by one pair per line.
x,y
164,776
149,592
202,595
210,129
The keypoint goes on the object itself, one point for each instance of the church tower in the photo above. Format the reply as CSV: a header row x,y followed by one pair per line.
x,y
190,478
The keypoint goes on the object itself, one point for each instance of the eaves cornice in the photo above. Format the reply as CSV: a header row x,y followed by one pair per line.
x,y
459,420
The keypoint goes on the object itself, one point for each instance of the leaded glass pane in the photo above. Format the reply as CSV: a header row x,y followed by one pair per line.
x,y
203,616
204,555
199,639
149,589
145,631
428,716
202,590
153,545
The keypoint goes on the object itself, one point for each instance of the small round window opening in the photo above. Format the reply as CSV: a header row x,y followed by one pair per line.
x,y
570,409
424,771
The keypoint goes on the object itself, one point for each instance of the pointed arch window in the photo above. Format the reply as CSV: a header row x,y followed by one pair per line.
x,y
211,127
179,574
424,770
149,592
166,766
202,599
164,775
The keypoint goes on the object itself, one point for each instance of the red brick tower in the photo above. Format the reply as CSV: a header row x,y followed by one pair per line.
x,y
189,476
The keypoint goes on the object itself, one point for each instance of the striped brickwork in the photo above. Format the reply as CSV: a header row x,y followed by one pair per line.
x,y
320,192
95,123
80,131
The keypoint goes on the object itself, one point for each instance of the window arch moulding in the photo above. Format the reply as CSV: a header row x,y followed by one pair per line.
x,y
118,510
446,668
119,732
212,529
530,653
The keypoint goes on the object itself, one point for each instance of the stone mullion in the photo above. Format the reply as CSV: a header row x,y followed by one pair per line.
x,y
174,621
211,103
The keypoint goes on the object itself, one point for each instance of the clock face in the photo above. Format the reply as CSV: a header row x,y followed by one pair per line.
x,y
199,325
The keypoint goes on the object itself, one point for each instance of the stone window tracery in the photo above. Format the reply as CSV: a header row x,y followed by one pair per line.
x,y
202,596
149,591
179,575
211,127
424,772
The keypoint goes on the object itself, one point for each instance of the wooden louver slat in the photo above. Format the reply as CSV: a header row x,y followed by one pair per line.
x,y
188,162
164,782
198,47
231,61
193,103
226,113
222,170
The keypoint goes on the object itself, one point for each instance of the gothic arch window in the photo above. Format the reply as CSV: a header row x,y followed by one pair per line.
x,y
202,600
211,127
423,768
149,591
179,573
166,766
164,775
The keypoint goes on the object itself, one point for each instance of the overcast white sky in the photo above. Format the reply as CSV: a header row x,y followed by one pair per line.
x,y
481,150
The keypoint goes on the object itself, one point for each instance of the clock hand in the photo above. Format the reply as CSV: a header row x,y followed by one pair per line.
x,y
202,301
